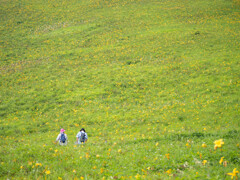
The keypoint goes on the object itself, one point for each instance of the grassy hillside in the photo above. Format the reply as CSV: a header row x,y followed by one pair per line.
x,y
154,82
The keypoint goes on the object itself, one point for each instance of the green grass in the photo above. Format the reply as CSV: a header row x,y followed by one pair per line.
x,y
150,81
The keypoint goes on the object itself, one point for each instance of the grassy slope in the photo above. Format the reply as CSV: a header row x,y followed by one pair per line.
x,y
133,73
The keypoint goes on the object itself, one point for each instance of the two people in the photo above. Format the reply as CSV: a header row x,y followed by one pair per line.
x,y
81,137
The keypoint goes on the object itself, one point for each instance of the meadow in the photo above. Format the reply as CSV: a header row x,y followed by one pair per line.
x,y
155,83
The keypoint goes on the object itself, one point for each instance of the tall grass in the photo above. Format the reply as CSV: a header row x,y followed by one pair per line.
x,y
154,83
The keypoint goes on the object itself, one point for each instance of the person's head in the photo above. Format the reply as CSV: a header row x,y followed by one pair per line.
x,y
62,131
83,130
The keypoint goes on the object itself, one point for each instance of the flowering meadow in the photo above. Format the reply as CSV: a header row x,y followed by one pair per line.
x,y
155,84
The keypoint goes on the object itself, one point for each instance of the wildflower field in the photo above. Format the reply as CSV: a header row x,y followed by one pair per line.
x,y
155,83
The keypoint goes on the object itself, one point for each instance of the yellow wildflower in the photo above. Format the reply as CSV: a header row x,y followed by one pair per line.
x,y
143,171
167,156
221,160
137,176
169,171
204,162
87,155
204,145
218,143
38,164
234,173
188,145
48,172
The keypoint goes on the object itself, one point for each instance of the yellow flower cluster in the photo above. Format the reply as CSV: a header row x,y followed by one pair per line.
x,y
218,143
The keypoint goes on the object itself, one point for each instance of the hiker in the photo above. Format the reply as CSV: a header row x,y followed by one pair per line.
x,y
81,136
62,138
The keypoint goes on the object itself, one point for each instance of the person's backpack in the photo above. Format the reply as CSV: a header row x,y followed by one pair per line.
x,y
63,138
83,137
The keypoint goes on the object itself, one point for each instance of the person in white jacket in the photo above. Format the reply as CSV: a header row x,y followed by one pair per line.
x,y
62,138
